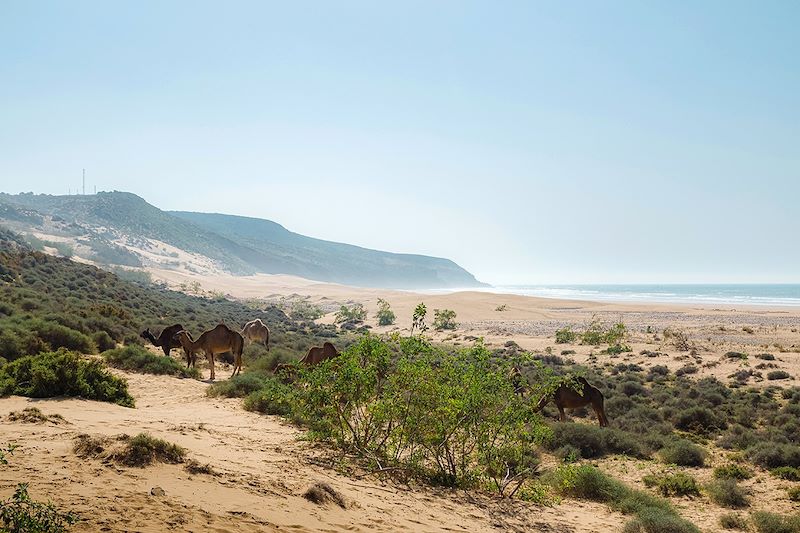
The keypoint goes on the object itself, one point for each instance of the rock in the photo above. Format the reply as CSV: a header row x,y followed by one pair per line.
x,y
157,491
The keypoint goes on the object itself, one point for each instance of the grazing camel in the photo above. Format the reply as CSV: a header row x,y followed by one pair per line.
x,y
518,381
166,340
566,396
316,355
221,339
256,331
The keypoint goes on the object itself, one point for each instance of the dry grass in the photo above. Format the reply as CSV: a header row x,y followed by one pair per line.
x,y
32,415
322,493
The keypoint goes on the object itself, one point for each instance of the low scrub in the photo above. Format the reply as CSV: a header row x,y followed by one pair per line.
x,y
272,398
652,514
727,493
566,335
63,373
788,473
778,374
733,471
765,522
774,454
683,453
32,415
139,451
733,521
677,484
593,441
238,386
135,358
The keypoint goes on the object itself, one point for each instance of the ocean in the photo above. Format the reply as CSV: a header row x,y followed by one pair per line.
x,y
727,294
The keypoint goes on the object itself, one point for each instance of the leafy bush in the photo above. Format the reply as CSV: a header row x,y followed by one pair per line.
x,y
766,522
354,314
593,441
794,493
63,373
238,386
677,484
733,471
565,335
103,341
418,318
700,420
683,453
774,454
143,450
385,315
444,319
788,473
273,398
733,521
778,374
138,359
727,493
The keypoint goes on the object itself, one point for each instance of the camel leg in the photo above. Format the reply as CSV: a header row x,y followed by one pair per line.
x,y
211,359
561,415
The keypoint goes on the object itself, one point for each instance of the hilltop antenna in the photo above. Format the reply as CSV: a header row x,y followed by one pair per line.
x,y
84,182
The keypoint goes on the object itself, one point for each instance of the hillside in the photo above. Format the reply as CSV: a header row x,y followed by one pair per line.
x,y
331,261
119,228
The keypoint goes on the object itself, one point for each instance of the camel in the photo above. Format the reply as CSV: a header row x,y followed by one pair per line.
x,y
219,340
256,331
166,340
566,396
316,355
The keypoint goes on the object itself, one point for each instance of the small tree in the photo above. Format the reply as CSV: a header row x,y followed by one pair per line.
x,y
385,315
444,319
418,319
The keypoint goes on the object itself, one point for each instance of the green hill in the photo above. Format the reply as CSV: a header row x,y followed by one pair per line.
x,y
240,245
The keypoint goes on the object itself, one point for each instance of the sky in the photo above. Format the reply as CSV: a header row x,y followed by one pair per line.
x,y
531,142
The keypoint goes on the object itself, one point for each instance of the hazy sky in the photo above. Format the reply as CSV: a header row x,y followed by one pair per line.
x,y
528,141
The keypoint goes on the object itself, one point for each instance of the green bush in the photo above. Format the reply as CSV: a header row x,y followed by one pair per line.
x,y
138,359
354,314
794,493
238,386
143,450
273,398
733,471
683,453
63,373
677,484
385,315
788,473
778,374
726,492
653,520
698,419
766,522
593,441
733,521
774,454
444,319
103,341
565,335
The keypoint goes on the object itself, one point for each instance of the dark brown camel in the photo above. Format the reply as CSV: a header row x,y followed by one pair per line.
x,y
567,397
166,340
316,355
221,339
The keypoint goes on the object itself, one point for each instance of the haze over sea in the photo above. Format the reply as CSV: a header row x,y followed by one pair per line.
x,y
785,294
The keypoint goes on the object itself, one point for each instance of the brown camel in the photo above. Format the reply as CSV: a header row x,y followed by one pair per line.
x,y
567,397
221,339
166,340
316,355
256,331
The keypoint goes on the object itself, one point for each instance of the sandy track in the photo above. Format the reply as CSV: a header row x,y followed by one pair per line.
x,y
263,470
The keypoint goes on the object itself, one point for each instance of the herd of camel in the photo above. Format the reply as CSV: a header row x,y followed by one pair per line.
x,y
222,339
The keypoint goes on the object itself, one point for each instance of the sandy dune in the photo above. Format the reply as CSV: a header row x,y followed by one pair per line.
x,y
263,470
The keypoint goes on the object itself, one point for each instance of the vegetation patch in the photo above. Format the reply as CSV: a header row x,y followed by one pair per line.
x,y
778,374
322,493
726,492
765,522
32,415
135,358
139,451
194,467
788,473
733,521
677,484
683,453
385,315
733,471
63,373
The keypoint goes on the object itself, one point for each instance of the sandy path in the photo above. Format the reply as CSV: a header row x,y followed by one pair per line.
x,y
263,471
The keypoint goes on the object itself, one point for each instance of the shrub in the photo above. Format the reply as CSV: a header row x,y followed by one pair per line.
x,y
736,355
727,493
593,441
63,373
788,473
565,335
686,369
143,450
733,471
778,374
273,398
385,315
355,314
677,484
683,453
138,359
733,521
700,420
444,319
794,493
21,514
653,520
322,493
766,356
774,454
103,341
238,386
766,522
